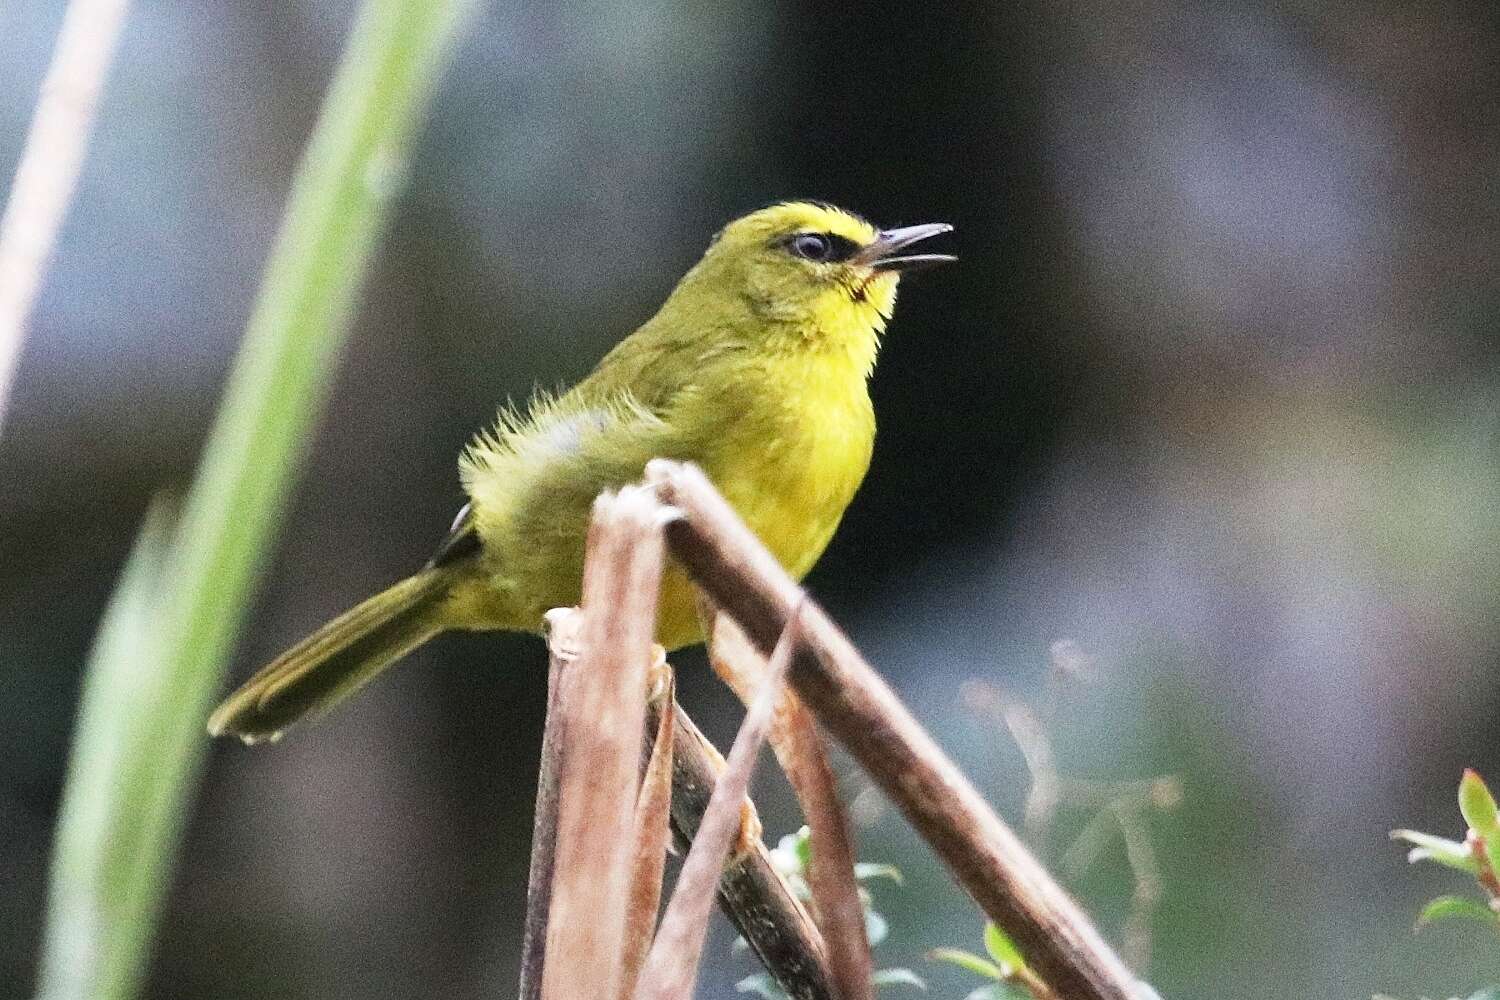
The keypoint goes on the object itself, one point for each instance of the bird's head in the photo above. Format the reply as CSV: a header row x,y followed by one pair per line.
x,y
822,273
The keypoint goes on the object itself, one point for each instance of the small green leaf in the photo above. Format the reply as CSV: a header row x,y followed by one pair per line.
x,y
898,977
1456,907
1478,805
967,960
866,870
1451,853
797,847
793,853
1002,950
1488,993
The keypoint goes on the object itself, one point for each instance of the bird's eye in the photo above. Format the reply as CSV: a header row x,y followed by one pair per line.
x,y
822,248
811,246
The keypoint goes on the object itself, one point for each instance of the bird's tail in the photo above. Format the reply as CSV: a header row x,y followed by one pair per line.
x,y
338,658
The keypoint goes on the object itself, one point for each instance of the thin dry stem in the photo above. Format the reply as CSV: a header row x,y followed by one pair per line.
x,y
1134,828
1122,804
672,967
804,758
752,893
851,700
1030,735
653,827
50,163
1042,799
562,640
1035,985
602,700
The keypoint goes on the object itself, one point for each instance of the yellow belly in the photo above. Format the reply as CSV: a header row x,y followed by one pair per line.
x,y
791,491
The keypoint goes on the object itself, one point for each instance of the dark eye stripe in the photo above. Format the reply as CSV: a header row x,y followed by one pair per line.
x,y
821,247
843,247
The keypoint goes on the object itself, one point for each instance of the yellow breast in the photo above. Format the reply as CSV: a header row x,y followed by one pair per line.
x,y
790,465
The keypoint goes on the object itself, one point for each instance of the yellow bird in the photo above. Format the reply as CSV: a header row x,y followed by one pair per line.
x,y
755,368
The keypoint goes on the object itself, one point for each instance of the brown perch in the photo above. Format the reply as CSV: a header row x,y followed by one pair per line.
x,y
852,702
803,754
752,893
671,970
601,700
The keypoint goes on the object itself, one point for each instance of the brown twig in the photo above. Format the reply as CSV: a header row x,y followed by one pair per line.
x,y
672,967
752,893
804,757
1146,895
562,640
851,700
1122,804
1034,984
653,828
1030,735
601,697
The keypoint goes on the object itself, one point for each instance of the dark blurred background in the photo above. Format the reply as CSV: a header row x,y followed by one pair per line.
x,y
1214,393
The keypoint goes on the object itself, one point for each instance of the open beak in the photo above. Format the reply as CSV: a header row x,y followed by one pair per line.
x,y
884,252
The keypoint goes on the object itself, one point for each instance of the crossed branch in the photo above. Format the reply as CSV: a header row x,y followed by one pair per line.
x,y
604,805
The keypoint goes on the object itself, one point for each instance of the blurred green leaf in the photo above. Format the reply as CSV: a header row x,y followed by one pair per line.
x,y
1451,853
801,847
162,651
1478,805
1488,993
1454,908
793,853
1002,949
897,977
791,857
968,961
97,827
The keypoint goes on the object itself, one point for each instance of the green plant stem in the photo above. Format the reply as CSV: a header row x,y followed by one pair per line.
x,y
139,739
